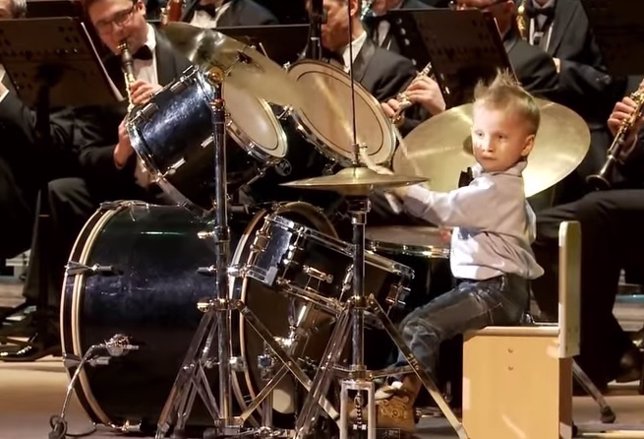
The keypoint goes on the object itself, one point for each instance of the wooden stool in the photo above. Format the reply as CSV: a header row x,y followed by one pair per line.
x,y
517,381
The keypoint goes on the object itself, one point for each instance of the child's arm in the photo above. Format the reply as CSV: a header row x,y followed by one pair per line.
x,y
473,206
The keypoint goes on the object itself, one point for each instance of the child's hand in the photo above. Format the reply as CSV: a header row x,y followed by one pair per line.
x,y
381,170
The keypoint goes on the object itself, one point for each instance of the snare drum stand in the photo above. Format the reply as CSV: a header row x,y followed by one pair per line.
x,y
351,319
216,325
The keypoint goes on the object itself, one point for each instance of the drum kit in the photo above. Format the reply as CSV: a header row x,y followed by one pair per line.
x,y
292,293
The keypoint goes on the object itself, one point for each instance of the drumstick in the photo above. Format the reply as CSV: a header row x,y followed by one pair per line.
x,y
393,202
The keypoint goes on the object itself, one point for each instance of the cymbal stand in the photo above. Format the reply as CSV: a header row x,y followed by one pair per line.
x,y
215,325
352,319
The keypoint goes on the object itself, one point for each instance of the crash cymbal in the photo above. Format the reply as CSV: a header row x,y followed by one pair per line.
x,y
441,148
355,181
244,67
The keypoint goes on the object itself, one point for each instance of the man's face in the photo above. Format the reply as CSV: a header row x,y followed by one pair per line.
x,y
119,20
6,9
499,138
335,32
503,11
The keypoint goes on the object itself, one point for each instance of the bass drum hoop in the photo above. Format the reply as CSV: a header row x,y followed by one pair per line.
x,y
80,253
239,286
310,132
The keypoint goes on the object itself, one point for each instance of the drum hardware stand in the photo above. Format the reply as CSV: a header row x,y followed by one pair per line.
x,y
216,322
352,319
117,346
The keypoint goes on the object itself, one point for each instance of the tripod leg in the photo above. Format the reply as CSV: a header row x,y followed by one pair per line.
x,y
422,374
605,411
264,393
322,380
281,354
179,394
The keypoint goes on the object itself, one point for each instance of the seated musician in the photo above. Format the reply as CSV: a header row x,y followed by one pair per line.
x,y
213,13
533,67
27,163
612,239
107,160
378,23
491,257
381,72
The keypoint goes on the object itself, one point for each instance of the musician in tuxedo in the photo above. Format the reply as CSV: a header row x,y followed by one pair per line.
x,y
378,22
381,72
29,158
221,13
108,164
561,28
533,67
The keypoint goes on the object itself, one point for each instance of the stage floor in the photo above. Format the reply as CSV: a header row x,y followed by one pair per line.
x,y
31,392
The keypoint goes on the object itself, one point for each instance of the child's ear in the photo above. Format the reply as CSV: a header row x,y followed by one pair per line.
x,y
529,144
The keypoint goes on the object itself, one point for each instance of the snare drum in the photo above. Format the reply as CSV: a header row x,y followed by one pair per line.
x,y
325,118
173,136
317,267
425,249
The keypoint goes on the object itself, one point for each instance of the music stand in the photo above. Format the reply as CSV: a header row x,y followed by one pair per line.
x,y
53,59
282,43
54,8
464,47
618,26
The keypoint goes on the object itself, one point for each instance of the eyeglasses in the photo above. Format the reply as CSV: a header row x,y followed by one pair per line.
x,y
118,19
461,7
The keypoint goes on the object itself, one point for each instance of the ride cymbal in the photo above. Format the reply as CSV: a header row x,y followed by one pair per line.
x,y
441,148
244,67
355,181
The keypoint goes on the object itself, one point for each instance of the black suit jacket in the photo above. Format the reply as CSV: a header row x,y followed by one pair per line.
x,y
390,42
32,161
584,83
240,13
533,67
97,132
381,72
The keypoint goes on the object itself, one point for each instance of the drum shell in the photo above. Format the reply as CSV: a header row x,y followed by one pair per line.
x,y
173,136
150,295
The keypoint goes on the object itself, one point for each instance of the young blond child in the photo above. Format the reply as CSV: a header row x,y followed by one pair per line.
x,y
493,227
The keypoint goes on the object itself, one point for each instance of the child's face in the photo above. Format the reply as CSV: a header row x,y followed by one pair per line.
x,y
499,138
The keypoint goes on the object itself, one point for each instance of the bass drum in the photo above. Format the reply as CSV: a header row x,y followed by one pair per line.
x,y
134,271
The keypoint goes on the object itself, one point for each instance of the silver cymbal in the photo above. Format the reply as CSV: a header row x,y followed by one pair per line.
x,y
247,68
354,181
441,148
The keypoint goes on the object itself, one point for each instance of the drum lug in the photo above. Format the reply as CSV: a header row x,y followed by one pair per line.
x,y
127,427
317,274
237,364
73,268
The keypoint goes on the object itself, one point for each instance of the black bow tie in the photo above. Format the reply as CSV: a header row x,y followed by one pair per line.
x,y
533,12
210,8
374,20
144,53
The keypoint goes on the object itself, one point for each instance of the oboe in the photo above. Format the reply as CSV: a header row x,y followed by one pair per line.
x,y
405,103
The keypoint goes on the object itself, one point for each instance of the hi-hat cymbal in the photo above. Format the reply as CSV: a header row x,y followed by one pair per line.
x,y
244,66
355,181
441,148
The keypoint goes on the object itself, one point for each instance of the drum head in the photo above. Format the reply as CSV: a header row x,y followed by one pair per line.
x,y
253,124
326,114
424,241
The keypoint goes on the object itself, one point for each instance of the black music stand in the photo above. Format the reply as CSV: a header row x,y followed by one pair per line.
x,y
618,26
282,43
463,47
